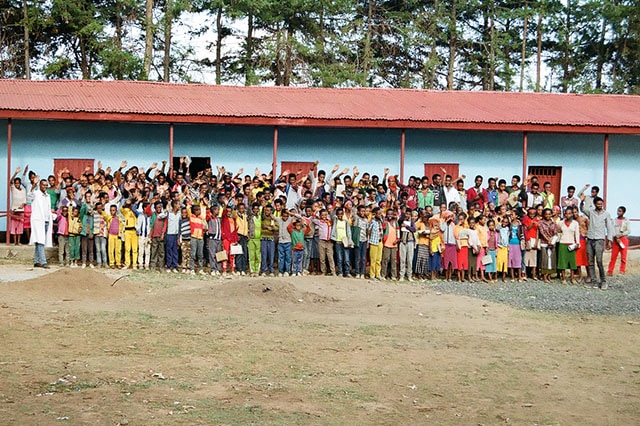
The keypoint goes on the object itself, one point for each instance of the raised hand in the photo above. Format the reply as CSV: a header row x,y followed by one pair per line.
x,y
99,165
335,168
345,171
386,171
18,170
108,170
123,164
240,171
153,165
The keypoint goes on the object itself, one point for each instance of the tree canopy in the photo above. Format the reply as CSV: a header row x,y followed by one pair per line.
x,y
581,46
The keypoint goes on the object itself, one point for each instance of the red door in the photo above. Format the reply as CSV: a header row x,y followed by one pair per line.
x,y
76,166
549,174
431,169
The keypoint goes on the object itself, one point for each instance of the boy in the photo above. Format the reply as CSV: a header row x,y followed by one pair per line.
x,y
185,239
143,229
374,233
341,237
173,232
269,229
255,235
158,226
197,227
390,233
130,235
100,218
297,241
284,243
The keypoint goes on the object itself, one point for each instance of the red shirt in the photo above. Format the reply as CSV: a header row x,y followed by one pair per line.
x,y
530,227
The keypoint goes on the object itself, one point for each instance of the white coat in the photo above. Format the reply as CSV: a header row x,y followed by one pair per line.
x,y
41,213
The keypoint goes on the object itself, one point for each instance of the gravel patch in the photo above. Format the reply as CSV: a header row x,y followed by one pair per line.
x,y
622,297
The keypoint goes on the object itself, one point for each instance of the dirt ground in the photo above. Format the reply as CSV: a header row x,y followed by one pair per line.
x,y
156,348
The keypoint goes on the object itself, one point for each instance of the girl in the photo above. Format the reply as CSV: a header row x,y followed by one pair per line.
x,y
569,242
620,241
516,238
502,255
548,234
462,242
493,238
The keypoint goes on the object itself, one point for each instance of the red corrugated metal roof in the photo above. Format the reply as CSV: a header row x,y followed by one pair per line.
x,y
164,102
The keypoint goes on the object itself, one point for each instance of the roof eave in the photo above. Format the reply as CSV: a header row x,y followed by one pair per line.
x,y
314,122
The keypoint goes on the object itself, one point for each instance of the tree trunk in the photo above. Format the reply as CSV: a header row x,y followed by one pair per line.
x,y
433,54
149,32
248,56
539,50
288,58
168,24
219,36
27,61
366,60
601,55
523,56
453,39
119,73
492,50
567,53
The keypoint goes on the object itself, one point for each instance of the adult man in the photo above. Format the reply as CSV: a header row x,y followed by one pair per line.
x,y
41,224
477,194
601,233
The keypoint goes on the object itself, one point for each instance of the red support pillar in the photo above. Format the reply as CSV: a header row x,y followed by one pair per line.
x,y
274,164
170,145
525,142
402,144
9,131
605,189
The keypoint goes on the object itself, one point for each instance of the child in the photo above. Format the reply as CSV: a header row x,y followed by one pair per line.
x,y
462,245
436,247
450,254
493,239
481,226
620,241
130,235
516,241
390,233
255,235
422,246
100,218
86,234
269,229
297,240
185,239
115,227
63,236
284,243
157,234
143,229
474,249
75,228
374,238
502,255
197,227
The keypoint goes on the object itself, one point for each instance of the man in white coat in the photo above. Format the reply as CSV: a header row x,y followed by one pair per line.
x,y
41,224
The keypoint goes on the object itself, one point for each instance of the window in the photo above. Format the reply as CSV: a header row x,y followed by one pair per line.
x,y
197,164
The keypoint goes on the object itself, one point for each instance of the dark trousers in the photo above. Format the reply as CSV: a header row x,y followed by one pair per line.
x,y
267,252
171,251
241,259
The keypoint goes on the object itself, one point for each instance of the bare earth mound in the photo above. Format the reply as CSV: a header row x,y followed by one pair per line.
x,y
166,349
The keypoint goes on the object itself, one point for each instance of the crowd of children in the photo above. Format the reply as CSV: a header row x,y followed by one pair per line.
x,y
355,225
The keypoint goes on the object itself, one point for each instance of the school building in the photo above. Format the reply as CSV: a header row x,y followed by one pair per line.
x,y
564,138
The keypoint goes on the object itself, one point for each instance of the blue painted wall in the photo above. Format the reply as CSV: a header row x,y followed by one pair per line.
x,y
483,153
624,176
230,146
370,149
